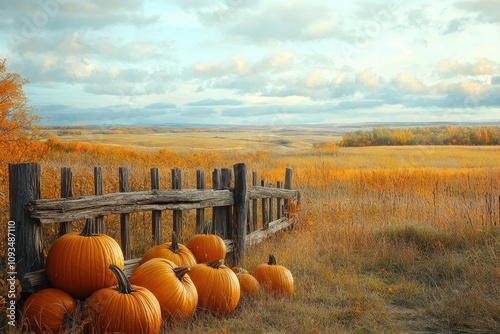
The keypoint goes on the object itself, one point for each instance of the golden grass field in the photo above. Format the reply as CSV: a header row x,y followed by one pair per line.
x,y
388,239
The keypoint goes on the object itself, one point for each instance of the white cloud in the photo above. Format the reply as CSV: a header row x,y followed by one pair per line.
x,y
453,67
368,80
406,82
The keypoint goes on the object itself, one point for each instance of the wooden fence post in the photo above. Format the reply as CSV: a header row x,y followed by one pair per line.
x,y
66,191
156,214
240,211
24,187
217,215
226,212
177,214
271,203
265,207
279,207
288,185
200,213
98,190
124,185
255,205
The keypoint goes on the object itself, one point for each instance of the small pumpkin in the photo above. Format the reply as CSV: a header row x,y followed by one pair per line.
x,y
173,251
48,310
126,308
217,285
171,285
78,263
248,284
207,247
274,278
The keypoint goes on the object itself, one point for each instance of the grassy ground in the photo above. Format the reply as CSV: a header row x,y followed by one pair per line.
x,y
389,240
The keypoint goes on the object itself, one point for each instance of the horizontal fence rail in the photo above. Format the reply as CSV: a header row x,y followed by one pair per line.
x,y
235,211
66,209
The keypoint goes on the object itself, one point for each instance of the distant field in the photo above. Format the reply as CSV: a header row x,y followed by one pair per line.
x,y
255,138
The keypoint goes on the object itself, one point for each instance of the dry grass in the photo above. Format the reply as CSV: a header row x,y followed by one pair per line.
x,y
389,239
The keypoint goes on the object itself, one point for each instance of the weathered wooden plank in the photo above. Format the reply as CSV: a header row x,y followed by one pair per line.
x,y
149,197
24,186
288,185
124,185
177,214
258,192
260,235
200,213
59,210
255,208
66,191
279,206
226,211
217,213
156,214
98,190
240,212
265,206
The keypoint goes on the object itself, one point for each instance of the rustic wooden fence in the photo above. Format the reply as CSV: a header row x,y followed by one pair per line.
x,y
235,211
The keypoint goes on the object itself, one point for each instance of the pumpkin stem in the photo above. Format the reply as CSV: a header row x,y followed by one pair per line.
x,y
216,263
180,272
88,229
124,285
272,260
174,246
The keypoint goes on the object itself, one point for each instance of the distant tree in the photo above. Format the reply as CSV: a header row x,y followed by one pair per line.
x,y
18,123
434,135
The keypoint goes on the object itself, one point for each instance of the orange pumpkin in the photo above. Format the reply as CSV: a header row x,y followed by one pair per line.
x,y
248,284
173,251
171,285
217,285
48,310
126,308
274,278
78,263
207,247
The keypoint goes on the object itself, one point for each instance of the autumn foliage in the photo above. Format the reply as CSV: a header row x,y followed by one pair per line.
x,y
430,135
18,123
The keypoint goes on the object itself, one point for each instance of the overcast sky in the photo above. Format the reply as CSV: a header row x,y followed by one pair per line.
x,y
267,62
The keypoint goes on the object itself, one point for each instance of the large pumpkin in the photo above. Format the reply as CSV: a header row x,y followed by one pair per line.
x,y
275,278
126,308
174,289
207,247
217,285
48,310
173,251
78,263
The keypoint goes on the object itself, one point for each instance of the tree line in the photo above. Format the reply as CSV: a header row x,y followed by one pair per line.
x,y
427,135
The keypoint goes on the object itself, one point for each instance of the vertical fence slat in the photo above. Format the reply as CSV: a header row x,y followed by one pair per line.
x,y
240,211
226,211
279,207
288,185
270,218
217,214
177,214
265,207
98,190
255,204
156,214
200,213
66,191
24,187
124,185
